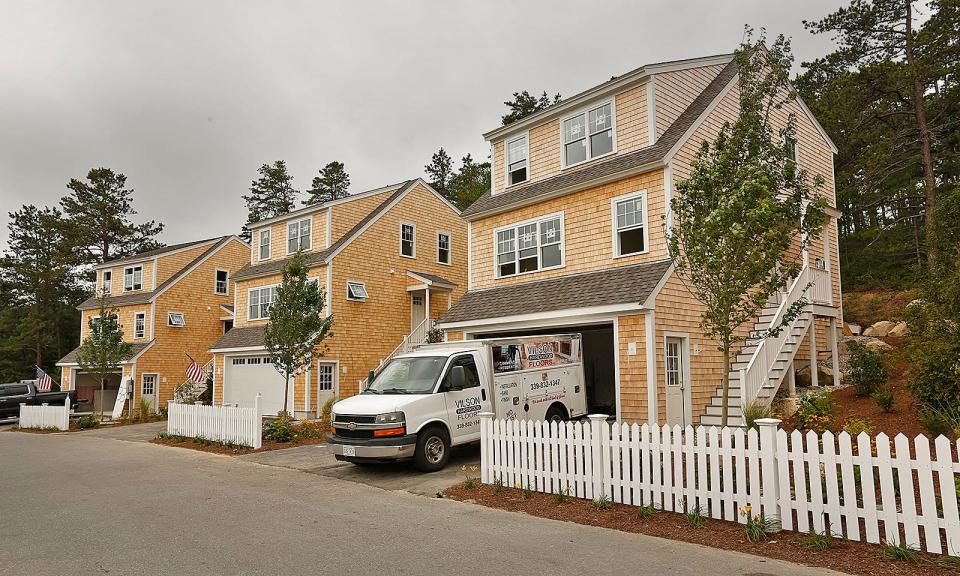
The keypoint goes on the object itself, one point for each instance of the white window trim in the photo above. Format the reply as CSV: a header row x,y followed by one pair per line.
x,y
414,226
583,110
142,313
156,382
260,244
363,285
105,283
132,278
506,166
249,290
215,272
309,237
449,247
538,219
614,232
796,149
170,317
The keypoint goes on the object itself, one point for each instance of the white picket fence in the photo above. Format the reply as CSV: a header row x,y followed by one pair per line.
x,y
46,416
217,423
815,482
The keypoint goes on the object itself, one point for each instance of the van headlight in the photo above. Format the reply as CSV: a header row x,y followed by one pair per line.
x,y
390,418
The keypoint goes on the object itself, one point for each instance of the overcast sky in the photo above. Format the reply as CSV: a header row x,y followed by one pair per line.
x,y
188,99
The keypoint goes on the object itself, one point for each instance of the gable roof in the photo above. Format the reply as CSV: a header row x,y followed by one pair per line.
x,y
618,167
431,279
146,297
323,205
240,337
619,285
156,252
136,349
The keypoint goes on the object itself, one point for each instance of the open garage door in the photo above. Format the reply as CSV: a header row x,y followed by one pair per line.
x,y
599,369
245,376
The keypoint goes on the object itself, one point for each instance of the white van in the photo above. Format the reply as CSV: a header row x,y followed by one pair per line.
x,y
421,403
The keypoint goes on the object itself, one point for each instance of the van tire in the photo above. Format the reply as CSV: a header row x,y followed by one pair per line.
x,y
433,449
556,413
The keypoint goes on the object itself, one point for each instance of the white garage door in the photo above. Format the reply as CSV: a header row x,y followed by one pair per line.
x,y
246,376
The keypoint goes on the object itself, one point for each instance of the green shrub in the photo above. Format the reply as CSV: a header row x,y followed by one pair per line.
x,y
327,411
817,411
695,518
940,420
561,496
280,429
87,421
603,502
754,411
856,426
901,551
818,540
309,429
885,398
867,373
935,380
645,511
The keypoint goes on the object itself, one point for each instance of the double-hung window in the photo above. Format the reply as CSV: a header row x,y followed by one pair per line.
x,y
221,285
139,325
443,248
588,135
133,278
106,280
408,240
530,246
630,224
259,302
517,160
298,236
265,244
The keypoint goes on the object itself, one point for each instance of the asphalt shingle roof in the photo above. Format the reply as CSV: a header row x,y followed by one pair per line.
x,y
242,337
136,348
434,278
620,285
155,252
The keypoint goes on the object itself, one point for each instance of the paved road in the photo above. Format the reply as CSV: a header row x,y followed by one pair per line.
x,y
81,504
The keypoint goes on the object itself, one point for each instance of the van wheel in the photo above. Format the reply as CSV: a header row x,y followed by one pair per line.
x,y
557,414
433,450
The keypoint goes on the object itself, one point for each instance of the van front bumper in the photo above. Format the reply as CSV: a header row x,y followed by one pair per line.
x,y
398,448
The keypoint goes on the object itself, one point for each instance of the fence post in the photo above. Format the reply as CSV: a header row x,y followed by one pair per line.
x,y
66,413
596,453
486,418
769,472
258,421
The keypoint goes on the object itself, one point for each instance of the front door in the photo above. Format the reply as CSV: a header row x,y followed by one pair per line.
x,y
417,311
675,374
148,390
326,372
464,406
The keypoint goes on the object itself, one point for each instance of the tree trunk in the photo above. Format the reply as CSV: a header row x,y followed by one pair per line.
x,y
286,390
926,155
725,384
103,386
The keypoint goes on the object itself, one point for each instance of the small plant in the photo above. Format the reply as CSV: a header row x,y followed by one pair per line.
x,y
434,336
470,481
497,483
144,410
173,437
940,419
561,496
755,411
695,518
855,426
816,411
885,397
88,421
602,503
757,527
818,540
901,552
645,511
309,429
326,411
867,373
280,429
525,493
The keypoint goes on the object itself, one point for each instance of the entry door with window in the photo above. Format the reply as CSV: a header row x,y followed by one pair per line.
x,y
417,311
148,389
675,374
464,406
326,387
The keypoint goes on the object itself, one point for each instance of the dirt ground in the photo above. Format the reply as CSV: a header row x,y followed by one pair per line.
x,y
869,307
221,449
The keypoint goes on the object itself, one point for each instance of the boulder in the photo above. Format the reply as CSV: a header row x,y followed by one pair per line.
x,y
878,346
899,330
880,329
786,406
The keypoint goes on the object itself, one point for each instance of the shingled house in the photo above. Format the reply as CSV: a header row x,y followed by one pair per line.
x,y
571,237
171,302
391,261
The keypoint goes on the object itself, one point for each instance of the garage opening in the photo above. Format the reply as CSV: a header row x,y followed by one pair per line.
x,y
599,369
89,395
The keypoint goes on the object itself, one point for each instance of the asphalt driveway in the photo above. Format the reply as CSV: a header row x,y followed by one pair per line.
x,y
82,504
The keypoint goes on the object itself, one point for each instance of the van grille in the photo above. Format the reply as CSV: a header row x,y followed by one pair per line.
x,y
345,433
347,418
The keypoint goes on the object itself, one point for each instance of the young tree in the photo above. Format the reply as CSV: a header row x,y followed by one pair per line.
x,y
102,351
524,104
297,326
469,183
270,195
440,171
97,219
332,184
745,204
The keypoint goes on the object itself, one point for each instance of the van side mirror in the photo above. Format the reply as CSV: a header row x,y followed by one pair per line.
x,y
458,378
370,376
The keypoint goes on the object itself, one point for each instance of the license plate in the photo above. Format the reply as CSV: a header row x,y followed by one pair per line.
x,y
349,450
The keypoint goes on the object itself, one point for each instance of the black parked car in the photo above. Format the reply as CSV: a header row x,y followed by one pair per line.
x,y
13,395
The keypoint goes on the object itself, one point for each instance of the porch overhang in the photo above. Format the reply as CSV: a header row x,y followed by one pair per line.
x,y
430,281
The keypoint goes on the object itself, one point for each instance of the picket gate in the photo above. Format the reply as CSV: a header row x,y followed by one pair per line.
x,y
46,416
865,489
217,423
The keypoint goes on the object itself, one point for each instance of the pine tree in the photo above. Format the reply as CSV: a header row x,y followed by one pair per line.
x,y
523,105
332,184
439,171
97,219
469,183
270,195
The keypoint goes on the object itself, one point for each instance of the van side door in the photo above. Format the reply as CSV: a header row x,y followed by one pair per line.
x,y
463,405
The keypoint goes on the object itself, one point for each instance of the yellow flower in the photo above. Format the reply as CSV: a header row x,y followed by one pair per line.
x,y
517,485
473,468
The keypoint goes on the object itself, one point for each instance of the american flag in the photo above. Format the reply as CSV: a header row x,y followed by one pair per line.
x,y
195,372
44,381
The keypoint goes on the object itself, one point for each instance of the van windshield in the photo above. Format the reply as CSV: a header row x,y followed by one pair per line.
x,y
408,376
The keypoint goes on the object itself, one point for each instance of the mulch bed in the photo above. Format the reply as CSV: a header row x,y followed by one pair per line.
x,y
842,555
74,428
221,449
